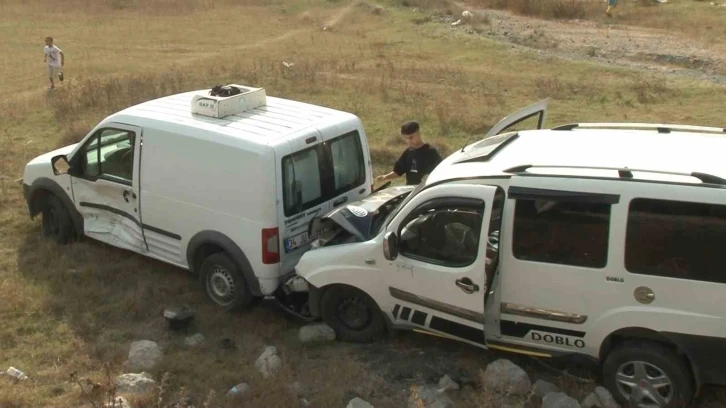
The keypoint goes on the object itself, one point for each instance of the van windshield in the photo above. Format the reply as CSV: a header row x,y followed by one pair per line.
x,y
399,205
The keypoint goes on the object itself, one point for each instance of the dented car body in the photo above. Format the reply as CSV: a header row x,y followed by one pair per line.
x,y
549,243
227,196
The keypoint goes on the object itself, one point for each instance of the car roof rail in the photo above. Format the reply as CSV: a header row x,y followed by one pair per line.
x,y
661,128
624,172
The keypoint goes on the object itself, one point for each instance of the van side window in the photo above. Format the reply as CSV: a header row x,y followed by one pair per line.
x,y
445,235
110,153
348,167
301,181
561,232
676,239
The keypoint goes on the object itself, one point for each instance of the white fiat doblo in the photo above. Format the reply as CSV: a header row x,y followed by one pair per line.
x,y
603,241
222,182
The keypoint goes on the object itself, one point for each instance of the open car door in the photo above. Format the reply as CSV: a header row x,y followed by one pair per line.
x,y
537,109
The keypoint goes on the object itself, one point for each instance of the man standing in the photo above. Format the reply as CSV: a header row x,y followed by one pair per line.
x,y
55,60
418,161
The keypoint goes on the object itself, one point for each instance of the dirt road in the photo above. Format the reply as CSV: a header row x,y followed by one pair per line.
x,y
613,44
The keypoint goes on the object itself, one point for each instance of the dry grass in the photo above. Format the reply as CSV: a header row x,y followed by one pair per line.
x,y
75,308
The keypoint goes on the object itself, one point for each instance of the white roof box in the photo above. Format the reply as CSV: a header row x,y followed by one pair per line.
x,y
225,100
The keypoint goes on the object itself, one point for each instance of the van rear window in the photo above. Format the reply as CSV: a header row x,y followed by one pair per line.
x,y
321,173
301,177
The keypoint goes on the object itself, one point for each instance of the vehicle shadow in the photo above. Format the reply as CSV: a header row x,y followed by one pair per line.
x,y
110,297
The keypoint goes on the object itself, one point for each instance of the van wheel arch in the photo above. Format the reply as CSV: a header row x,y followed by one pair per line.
x,y
39,193
206,243
630,334
317,294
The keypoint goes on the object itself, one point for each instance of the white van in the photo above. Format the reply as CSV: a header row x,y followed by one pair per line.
x,y
600,241
222,182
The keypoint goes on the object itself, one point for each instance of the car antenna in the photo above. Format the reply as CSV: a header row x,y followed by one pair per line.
x,y
468,141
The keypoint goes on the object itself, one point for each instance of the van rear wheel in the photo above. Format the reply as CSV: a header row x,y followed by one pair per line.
x,y
645,374
352,314
224,283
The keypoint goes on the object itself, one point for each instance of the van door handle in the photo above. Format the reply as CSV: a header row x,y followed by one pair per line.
x,y
126,195
340,201
467,285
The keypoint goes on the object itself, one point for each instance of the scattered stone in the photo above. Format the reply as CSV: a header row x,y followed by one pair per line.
x,y
118,402
304,403
559,400
295,388
358,403
503,376
227,344
542,388
428,397
238,390
268,363
135,383
600,398
195,340
316,332
467,15
143,356
179,317
446,384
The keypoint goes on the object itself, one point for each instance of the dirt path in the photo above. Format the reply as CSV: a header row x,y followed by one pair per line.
x,y
611,44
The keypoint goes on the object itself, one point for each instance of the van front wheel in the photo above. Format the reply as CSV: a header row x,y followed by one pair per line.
x,y
57,222
352,314
224,283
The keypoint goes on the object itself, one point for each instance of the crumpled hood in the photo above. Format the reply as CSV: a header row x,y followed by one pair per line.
x,y
357,217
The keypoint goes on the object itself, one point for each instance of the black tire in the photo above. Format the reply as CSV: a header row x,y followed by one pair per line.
x,y
57,221
352,314
660,364
224,283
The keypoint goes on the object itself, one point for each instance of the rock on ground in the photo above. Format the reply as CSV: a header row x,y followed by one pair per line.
x,y
446,384
358,403
505,377
429,397
134,383
238,390
295,389
542,388
316,332
118,402
559,400
268,363
600,398
143,356
195,340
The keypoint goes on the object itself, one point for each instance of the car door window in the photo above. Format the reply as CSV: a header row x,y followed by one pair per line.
x,y
445,235
110,155
348,166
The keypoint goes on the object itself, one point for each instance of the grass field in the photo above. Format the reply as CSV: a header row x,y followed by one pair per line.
x,y
76,308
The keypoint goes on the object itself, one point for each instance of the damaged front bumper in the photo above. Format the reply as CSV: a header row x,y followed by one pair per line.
x,y
296,297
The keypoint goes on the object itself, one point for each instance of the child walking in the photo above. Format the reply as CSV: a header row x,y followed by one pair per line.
x,y
55,59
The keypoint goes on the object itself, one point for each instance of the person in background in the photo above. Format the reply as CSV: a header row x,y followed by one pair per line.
x,y
417,161
611,6
55,59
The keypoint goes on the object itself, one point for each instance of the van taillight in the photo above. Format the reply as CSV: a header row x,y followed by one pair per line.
x,y
270,246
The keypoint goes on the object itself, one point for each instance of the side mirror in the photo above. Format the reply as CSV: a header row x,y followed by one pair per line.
x,y
390,246
60,165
